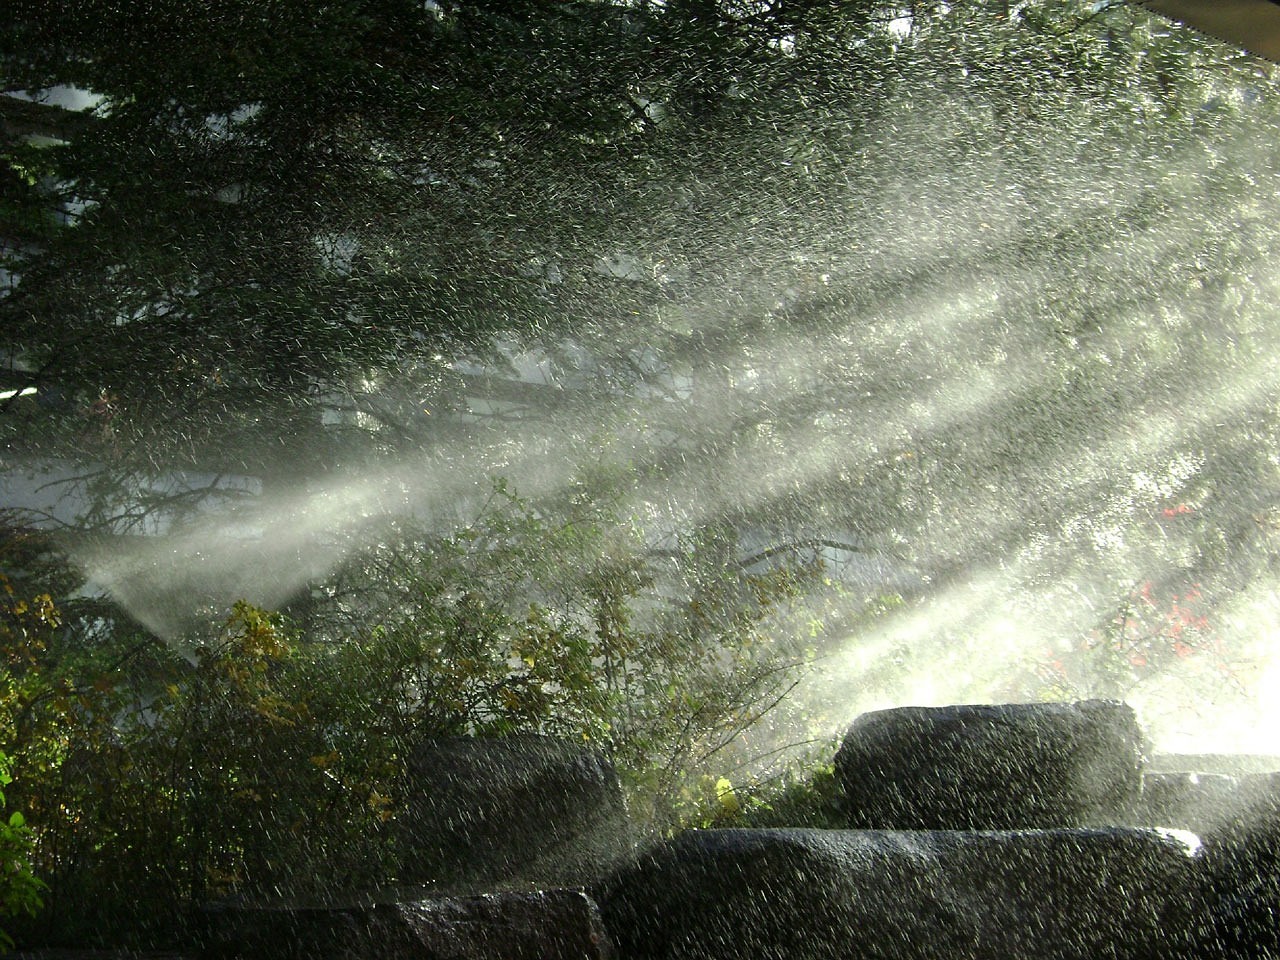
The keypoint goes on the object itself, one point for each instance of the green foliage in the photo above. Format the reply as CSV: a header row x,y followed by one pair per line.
x,y
234,770
558,618
268,760
803,793
76,674
263,791
20,889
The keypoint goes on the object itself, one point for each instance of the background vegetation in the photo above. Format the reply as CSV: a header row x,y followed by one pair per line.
x,y
264,760
745,298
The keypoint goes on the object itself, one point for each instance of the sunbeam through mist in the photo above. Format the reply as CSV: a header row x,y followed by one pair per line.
x,y
975,318
999,386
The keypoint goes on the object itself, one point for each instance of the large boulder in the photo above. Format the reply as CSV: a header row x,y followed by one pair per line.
x,y
486,813
805,894
992,766
537,925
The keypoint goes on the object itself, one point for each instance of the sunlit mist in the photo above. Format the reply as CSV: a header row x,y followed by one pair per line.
x,y
1050,415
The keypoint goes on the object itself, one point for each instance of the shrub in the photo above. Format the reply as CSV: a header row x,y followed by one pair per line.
x,y
267,758
19,887
560,619
804,793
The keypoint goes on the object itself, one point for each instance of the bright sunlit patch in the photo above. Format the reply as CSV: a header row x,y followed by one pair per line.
x,y
1224,696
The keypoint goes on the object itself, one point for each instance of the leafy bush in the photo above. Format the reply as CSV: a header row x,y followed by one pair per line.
x,y
802,794
72,683
19,887
558,618
268,758
1152,633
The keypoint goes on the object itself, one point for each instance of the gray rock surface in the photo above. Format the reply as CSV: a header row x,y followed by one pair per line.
x,y
1237,817
539,925
510,810
807,894
992,766
1242,869
1203,803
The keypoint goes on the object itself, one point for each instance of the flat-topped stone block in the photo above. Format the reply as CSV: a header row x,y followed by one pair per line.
x,y
1204,803
523,808
537,925
1242,868
992,766
808,894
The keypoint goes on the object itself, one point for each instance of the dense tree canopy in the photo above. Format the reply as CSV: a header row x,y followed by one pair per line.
x,y
983,285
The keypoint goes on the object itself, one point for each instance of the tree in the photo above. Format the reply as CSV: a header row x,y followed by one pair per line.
x,y
933,282
272,206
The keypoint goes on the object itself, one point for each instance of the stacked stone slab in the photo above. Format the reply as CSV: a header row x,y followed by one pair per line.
x,y
992,766
1237,818
808,894
984,832
537,925
497,838
520,810
1204,803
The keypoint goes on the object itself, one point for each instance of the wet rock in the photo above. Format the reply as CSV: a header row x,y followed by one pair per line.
x,y
1242,871
541,925
1200,802
808,894
1229,764
502,811
992,766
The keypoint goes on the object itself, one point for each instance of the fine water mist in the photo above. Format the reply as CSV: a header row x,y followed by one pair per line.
x,y
1001,384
